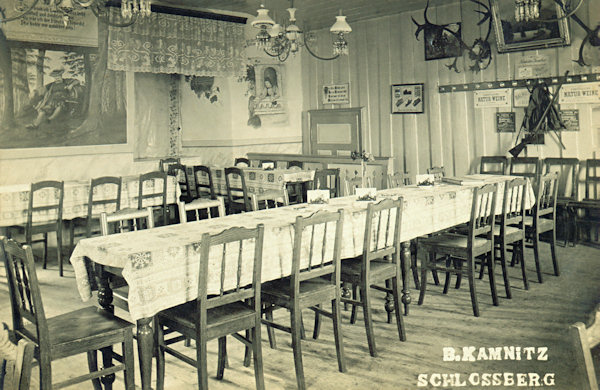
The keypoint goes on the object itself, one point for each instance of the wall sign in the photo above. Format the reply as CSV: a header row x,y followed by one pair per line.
x,y
505,122
521,97
336,94
580,93
407,98
529,66
493,98
571,119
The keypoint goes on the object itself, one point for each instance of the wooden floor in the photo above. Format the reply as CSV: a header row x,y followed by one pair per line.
x,y
535,318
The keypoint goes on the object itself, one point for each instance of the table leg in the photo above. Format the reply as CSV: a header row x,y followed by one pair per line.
x,y
145,342
405,264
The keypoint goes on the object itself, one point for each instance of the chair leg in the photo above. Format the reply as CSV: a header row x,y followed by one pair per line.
x,y
45,373
366,301
504,270
337,333
107,362
354,309
72,234
536,255
521,246
223,357
415,271
423,281
397,303
481,270
458,265
553,251
247,352
317,326
45,249
159,341
492,276
296,320
201,363
471,276
257,352
448,275
129,361
270,330
92,357
59,251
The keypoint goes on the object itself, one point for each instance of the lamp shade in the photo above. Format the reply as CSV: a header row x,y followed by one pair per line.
x,y
262,19
340,25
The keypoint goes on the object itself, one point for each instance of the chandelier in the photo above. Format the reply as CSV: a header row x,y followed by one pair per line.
x,y
527,10
279,41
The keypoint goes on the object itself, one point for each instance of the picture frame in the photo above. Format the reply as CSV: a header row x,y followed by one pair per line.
x,y
518,36
441,42
408,98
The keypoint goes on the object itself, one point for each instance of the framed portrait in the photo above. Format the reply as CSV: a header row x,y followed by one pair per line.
x,y
442,42
269,89
407,98
529,35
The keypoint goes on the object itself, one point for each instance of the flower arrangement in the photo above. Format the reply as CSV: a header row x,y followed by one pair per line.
x,y
364,157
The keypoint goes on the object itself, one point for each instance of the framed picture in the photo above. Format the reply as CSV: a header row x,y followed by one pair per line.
x,y
442,42
528,35
407,98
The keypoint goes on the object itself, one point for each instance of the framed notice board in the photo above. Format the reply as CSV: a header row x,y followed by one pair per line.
x,y
505,122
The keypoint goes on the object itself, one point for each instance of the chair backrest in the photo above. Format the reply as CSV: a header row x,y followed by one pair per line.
x,y
231,243
351,184
18,359
147,180
24,291
513,204
545,203
164,163
50,202
126,221
241,162
235,191
526,167
382,232
295,164
317,257
204,189
104,191
265,163
328,179
592,179
494,165
270,199
398,179
568,171
585,337
179,171
483,210
437,172
201,204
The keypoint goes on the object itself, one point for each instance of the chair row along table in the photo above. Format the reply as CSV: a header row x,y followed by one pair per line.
x,y
161,266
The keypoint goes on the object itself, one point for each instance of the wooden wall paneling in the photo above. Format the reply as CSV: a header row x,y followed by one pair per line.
x,y
353,57
362,68
433,109
374,43
382,89
396,69
411,51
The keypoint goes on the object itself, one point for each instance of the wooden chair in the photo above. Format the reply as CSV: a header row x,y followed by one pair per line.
x,y
269,199
328,179
121,222
179,171
17,362
295,164
351,184
238,198
585,337
315,279
105,191
236,307
197,205
43,205
264,163
437,172
591,215
204,190
81,331
568,170
164,163
543,220
526,167
148,180
398,179
463,249
380,262
241,162
493,165
295,190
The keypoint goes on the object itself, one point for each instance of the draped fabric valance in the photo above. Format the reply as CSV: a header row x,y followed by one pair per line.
x,y
163,43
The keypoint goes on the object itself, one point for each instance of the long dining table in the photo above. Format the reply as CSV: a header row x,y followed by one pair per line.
x,y
161,266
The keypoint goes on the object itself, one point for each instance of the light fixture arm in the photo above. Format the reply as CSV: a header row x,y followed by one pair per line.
x,y
316,55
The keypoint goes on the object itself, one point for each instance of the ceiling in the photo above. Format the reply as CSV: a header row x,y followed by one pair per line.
x,y
311,14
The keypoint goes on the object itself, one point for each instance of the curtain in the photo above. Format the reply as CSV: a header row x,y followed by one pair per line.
x,y
162,43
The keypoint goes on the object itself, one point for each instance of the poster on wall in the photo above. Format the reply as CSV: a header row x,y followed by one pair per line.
x,y
269,98
580,93
336,94
571,119
505,122
493,98
46,24
407,98
521,97
55,103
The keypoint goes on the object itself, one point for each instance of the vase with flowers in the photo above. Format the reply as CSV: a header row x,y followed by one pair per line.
x,y
365,157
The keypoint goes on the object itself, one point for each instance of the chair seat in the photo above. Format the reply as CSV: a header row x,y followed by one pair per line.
x,y
509,231
455,244
351,270
312,292
182,319
82,329
543,224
